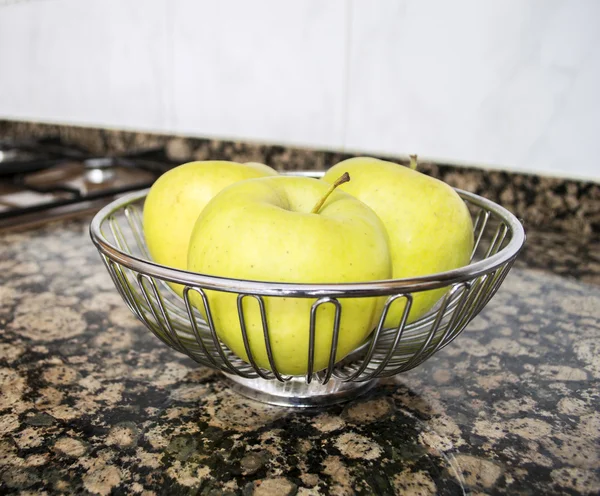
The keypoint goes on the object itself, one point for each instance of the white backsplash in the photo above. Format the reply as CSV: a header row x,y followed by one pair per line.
x,y
511,84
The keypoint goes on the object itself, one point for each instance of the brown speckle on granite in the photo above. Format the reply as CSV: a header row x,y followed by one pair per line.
x,y
414,483
575,479
70,446
355,446
253,462
124,435
370,410
327,423
102,479
478,473
278,486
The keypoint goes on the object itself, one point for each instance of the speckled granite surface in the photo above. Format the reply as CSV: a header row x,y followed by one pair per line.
x,y
92,403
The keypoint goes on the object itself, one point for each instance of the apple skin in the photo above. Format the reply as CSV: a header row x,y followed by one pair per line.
x,y
263,230
429,225
176,199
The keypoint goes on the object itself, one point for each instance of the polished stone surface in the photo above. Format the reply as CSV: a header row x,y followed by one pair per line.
x,y
91,402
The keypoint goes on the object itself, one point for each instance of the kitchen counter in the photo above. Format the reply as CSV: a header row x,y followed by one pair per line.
x,y
91,402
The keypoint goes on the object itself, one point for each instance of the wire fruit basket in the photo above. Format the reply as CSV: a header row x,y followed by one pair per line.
x,y
117,232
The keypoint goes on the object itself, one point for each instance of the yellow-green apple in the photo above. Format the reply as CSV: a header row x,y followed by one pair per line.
x,y
290,230
429,226
176,199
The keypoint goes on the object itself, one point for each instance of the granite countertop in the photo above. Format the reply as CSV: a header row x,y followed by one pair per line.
x,y
91,402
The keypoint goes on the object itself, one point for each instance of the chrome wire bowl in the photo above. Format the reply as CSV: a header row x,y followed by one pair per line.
x,y
117,233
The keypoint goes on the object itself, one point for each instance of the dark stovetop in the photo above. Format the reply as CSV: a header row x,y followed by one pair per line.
x,y
45,179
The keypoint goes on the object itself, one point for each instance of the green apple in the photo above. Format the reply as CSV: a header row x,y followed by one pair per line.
x,y
429,226
176,199
287,229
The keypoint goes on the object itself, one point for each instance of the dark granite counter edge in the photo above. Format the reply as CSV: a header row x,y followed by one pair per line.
x,y
559,205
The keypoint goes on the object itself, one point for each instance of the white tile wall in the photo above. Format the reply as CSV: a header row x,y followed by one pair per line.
x,y
504,83
510,84
264,69
97,61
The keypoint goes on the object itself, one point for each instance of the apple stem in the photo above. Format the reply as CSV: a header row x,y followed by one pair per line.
x,y
344,178
413,162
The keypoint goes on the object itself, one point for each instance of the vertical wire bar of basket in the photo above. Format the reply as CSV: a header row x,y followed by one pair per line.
x,y
372,340
497,240
245,339
267,337
120,285
471,309
448,330
133,219
334,339
478,229
417,358
312,336
194,324
474,290
480,302
124,286
312,329
121,242
399,332
505,270
502,272
163,311
229,367
491,289
165,335
468,312
490,278
139,310
119,236
457,315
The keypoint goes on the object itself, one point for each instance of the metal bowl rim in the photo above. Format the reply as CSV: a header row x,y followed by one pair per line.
x,y
370,288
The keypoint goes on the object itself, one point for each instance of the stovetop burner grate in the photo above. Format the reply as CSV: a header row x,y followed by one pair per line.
x,y
46,179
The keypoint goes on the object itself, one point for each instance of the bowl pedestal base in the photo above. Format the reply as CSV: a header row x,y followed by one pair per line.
x,y
297,393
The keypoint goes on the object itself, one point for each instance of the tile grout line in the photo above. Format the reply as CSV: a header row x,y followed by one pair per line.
x,y
168,108
346,70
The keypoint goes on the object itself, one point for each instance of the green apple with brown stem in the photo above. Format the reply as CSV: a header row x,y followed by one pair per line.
x,y
429,225
290,230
